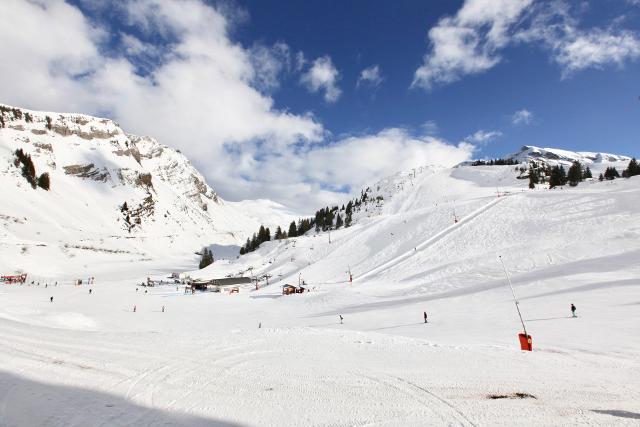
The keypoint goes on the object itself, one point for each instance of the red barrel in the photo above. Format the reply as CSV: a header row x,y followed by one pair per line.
x,y
526,343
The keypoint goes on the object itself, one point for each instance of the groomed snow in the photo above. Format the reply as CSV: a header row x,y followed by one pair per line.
x,y
260,358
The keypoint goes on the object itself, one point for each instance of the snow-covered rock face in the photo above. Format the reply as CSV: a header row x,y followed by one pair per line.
x,y
555,156
95,168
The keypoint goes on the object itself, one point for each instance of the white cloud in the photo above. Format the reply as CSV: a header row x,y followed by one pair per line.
x,y
322,75
482,137
430,127
269,62
595,49
201,93
471,41
353,162
522,117
555,26
370,76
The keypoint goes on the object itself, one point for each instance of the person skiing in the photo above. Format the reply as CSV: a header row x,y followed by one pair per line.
x,y
134,308
51,299
341,318
573,311
425,317
90,290
163,308
136,289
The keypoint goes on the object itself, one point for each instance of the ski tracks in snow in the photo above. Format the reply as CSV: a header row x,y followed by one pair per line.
x,y
430,241
445,411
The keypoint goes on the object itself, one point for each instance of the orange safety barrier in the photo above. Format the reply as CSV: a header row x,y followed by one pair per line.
x,y
526,343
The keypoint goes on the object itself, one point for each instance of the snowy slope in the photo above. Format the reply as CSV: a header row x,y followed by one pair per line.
x,y
260,358
95,167
428,240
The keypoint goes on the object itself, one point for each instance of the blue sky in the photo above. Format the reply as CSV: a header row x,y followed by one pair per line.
x,y
304,102
594,109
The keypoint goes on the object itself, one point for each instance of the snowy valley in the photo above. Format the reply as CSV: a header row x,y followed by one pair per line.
x,y
354,348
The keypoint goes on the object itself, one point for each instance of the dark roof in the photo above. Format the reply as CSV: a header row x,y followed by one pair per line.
x,y
226,281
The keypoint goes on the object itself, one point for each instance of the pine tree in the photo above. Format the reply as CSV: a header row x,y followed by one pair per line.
x,y
293,231
48,120
338,221
348,214
29,171
262,235
632,170
587,173
611,173
267,235
601,178
558,176
124,207
575,174
328,219
533,177
242,250
247,246
206,258
278,233
44,181
254,242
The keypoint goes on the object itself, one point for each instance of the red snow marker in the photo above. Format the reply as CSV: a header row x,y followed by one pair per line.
x,y
526,343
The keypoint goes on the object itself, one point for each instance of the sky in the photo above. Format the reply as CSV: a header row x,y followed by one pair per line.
x,y
308,102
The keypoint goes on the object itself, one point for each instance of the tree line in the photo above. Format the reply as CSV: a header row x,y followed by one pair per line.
x,y
494,162
558,176
327,218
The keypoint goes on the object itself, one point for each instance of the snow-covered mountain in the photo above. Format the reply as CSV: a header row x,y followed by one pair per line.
x,y
111,193
554,156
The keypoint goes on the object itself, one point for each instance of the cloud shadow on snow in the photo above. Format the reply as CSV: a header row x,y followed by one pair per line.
x,y
30,403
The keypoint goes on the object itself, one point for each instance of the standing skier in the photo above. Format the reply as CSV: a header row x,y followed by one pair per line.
x,y
573,311
134,308
51,299
425,317
341,318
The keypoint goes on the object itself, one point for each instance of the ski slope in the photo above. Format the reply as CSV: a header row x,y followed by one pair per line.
x,y
259,358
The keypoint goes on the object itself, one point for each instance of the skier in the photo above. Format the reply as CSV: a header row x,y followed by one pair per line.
x,y
425,317
163,308
46,285
341,318
136,289
573,311
51,299
134,308
90,290
260,325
